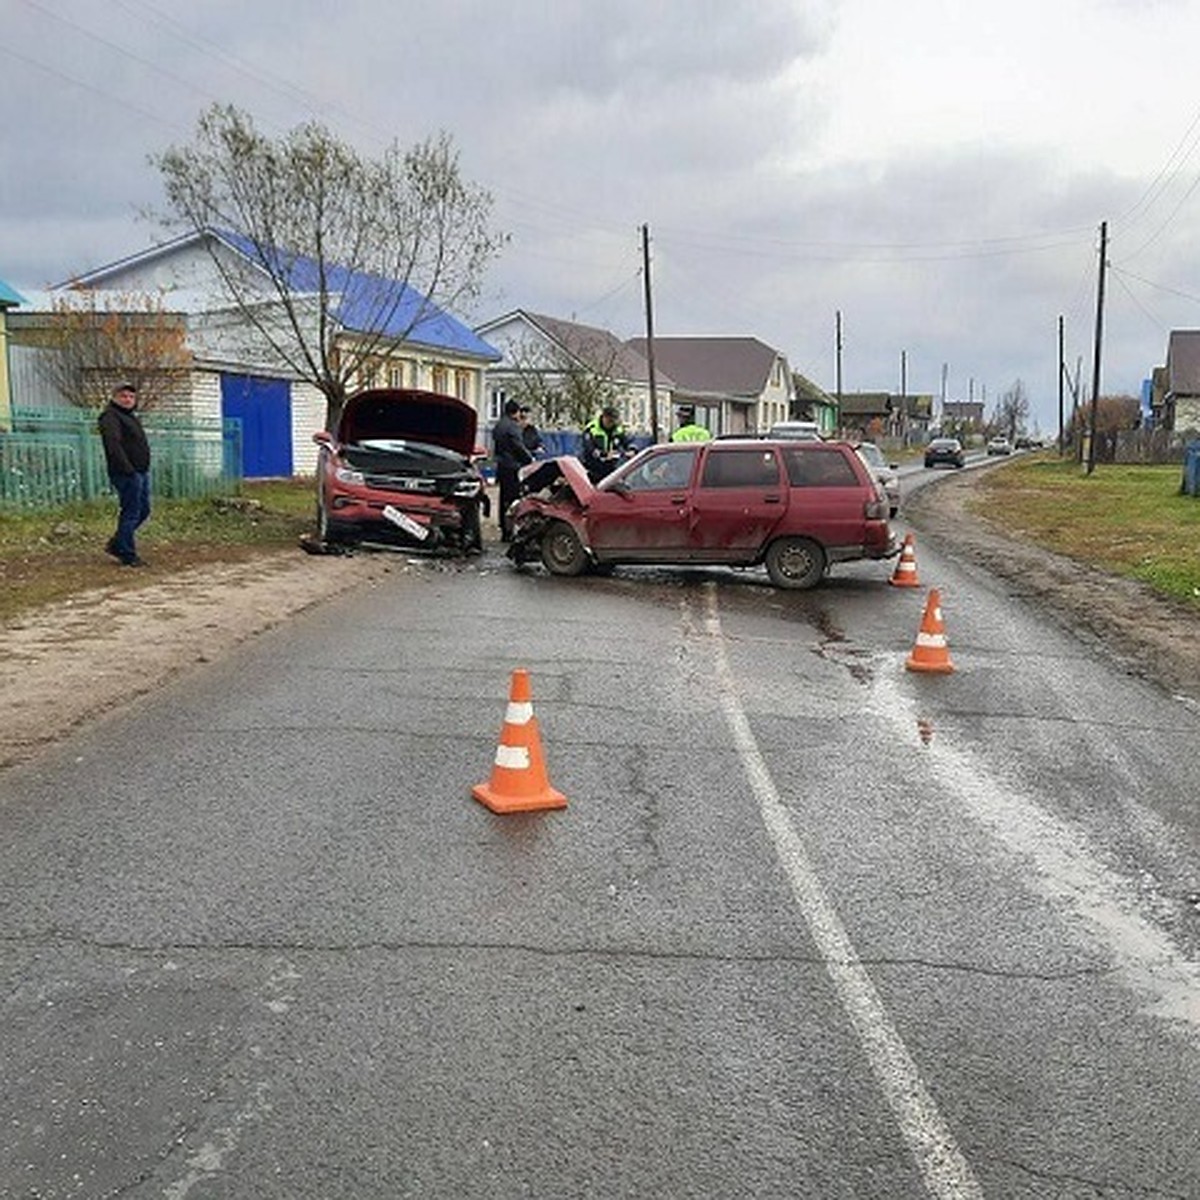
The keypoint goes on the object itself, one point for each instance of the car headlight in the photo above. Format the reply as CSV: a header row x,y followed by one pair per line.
x,y
467,488
348,475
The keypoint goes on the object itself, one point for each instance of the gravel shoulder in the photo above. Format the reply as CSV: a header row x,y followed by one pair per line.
x,y
75,661
1150,636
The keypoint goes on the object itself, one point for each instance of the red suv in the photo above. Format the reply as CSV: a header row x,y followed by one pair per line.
x,y
399,469
797,506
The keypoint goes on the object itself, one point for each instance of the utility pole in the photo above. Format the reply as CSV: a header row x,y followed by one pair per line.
x,y
650,332
838,370
1091,461
904,397
1062,370
942,414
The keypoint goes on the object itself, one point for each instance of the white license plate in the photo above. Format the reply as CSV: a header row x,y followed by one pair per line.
x,y
405,522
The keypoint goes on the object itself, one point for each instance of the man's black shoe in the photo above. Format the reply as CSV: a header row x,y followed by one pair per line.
x,y
110,547
133,562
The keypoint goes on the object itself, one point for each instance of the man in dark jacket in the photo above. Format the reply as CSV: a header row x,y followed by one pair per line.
x,y
127,454
508,445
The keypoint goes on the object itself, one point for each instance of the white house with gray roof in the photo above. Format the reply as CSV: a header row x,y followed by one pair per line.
x,y
736,384
549,348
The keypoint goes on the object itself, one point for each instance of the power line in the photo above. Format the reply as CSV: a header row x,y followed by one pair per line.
x,y
90,87
1162,287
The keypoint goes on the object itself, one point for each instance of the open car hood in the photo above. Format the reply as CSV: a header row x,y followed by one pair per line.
x,y
404,414
541,474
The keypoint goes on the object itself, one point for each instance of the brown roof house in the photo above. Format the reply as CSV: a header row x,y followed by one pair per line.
x,y
736,384
813,403
871,415
1181,401
567,372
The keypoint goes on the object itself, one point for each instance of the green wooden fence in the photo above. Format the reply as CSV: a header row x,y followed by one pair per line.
x,y
53,456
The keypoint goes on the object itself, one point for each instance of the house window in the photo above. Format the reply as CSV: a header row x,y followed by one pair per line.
x,y
462,385
496,403
440,381
395,374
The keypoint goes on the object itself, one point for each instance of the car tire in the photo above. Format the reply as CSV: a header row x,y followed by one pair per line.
x,y
562,551
795,562
472,531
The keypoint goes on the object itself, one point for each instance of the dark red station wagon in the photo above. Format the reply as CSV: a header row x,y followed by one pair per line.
x,y
796,506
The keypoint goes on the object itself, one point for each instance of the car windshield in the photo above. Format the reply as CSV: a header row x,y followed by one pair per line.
x,y
872,455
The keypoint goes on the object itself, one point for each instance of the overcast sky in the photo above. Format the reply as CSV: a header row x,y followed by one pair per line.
x,y
935,170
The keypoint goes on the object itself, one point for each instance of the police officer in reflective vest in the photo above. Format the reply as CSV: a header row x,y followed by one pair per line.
x,y
604,443
688,430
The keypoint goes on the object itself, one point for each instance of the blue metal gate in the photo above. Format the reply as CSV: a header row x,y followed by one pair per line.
x,y
264,407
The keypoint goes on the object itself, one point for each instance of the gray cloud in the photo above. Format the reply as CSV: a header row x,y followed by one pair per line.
x,y
586,120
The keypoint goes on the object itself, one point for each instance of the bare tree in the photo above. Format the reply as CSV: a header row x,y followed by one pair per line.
x,y
96,340
560,387
346,254
1011,411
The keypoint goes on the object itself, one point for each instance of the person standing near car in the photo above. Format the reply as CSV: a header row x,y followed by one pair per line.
x,y
530,434
688,430
603,443
508,446
127,456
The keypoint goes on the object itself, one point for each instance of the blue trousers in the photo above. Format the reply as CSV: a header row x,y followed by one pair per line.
x,y
133,492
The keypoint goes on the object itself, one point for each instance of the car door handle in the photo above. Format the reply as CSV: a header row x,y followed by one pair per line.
x,y
771,498
679,499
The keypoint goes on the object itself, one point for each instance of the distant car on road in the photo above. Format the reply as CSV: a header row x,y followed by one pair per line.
x,y
999,445
945,451
795,505
884,471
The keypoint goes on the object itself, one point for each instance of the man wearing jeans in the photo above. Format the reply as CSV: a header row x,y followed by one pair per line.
x,y
127,453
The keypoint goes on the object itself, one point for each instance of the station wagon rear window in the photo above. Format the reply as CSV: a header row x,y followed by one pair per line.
x,y
815,467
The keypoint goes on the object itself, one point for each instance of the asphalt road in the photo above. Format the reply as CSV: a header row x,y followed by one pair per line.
x,y
811,925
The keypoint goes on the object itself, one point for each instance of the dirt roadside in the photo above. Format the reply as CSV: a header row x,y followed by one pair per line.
x,y
1149,636
74,661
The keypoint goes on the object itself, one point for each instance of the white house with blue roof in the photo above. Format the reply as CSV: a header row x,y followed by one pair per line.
x,y
239,374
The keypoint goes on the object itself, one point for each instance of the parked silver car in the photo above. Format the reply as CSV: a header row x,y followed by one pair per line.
x,y
884,471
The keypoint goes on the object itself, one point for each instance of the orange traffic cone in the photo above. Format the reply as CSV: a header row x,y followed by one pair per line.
x,y
905,574
519,782
930,653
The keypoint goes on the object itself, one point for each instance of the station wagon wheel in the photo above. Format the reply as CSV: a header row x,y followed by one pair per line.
x,y
795,562
562,551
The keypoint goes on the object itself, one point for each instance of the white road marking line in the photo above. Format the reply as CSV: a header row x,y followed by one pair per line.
x,y
946,1173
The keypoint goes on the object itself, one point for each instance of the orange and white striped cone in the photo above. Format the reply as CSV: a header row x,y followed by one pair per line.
x,y
931,654
518,781
905,574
